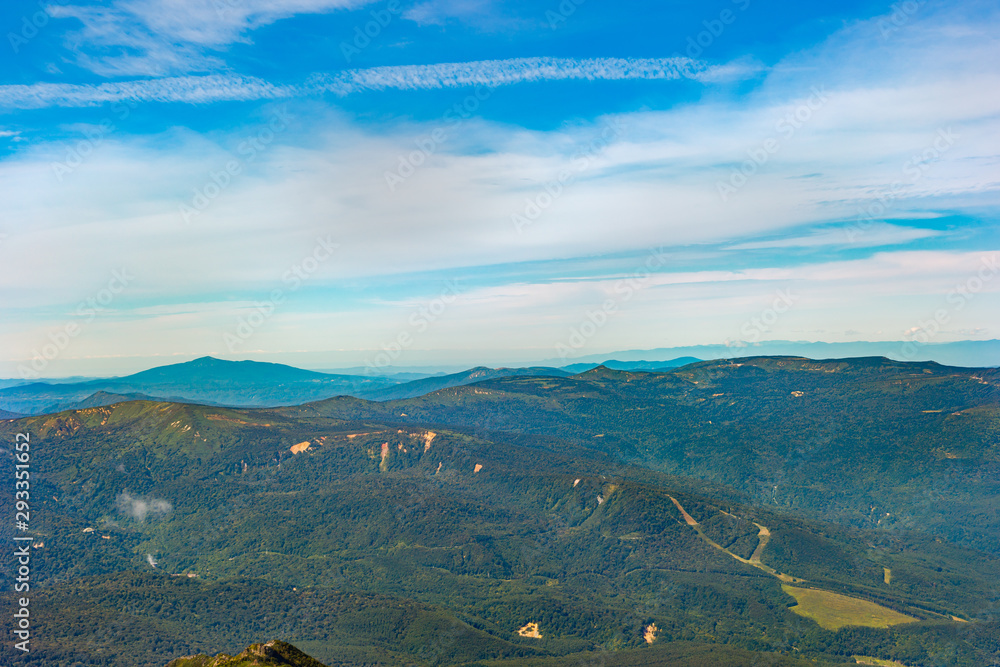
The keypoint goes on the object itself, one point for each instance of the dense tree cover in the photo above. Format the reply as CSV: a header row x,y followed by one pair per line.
x,y
870,443
425,544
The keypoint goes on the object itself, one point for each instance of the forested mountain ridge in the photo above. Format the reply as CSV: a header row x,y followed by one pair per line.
x,y
471,376
870,442
396,538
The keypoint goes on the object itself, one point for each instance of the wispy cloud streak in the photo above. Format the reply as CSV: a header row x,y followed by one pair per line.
x,y
520,70
184,89
491,73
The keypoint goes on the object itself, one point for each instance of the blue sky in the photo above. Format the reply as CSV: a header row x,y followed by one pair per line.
x,y
486,182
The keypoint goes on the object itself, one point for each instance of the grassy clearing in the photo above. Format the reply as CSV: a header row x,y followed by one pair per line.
x,y
834,611
868,660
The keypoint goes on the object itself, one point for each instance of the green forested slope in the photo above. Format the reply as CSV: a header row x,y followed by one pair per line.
x,y
868,442
174,529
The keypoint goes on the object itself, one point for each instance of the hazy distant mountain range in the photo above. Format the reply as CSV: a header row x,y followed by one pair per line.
x,y
211,381
968,353
639,365
260,384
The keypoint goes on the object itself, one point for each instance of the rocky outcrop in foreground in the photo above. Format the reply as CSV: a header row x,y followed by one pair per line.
x,y
272,654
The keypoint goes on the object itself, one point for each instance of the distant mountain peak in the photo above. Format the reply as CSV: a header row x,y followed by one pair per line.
x,y
603,371
211,368
209,360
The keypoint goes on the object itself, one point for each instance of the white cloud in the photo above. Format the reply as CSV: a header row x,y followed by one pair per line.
x,y
141,508
655,185
187,89
163,37
492,73
489,73
486,15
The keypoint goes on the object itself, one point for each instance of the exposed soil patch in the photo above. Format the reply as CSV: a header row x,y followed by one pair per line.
x,y
530,630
